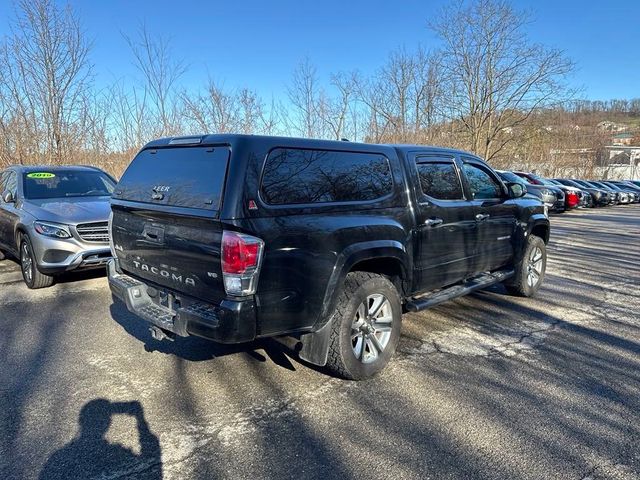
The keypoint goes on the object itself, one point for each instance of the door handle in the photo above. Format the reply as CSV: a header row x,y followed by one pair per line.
x,y
482,216
433,222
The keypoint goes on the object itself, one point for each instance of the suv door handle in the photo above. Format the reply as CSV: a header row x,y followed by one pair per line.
x,y
433,222
482,216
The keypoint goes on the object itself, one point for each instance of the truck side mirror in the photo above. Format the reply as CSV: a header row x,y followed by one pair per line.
x,y
516,190
7,197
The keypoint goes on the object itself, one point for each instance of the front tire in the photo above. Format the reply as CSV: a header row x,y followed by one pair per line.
x,y
530,272
365,327
30,273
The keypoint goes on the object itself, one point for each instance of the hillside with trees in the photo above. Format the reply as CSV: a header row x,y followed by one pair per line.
x,y
485,88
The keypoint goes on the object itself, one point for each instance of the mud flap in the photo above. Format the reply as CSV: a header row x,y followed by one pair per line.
x,y
315,346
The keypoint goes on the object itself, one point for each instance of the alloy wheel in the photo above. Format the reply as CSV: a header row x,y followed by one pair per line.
x,y
27,262
534,267
371,328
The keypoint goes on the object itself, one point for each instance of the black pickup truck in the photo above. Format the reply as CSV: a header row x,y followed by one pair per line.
x,y
234,238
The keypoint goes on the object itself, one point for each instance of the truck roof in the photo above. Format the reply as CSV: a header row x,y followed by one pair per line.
x,y
291,141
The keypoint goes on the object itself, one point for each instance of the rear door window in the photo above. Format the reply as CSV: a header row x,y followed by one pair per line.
x,y
440,180
299,176
483,185
190,177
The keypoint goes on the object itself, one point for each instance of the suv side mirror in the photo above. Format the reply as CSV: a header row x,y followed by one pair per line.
x,y
516,190
7,197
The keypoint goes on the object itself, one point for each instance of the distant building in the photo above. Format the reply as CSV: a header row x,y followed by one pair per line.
x,y
608,126
622,155
622,138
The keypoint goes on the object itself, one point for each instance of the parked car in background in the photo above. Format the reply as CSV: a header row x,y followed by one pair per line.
x,y
631,193
54,219
559,204
635,182
601,197
545,194
622,198
585,199
614,195
571,198
627,184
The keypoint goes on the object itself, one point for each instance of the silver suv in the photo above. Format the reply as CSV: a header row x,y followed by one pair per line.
x,y
54,219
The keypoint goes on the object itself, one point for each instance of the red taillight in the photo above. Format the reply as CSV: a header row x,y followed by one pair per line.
x,y
572,199
239,252
241,257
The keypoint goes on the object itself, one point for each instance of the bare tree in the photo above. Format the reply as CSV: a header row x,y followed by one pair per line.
x,y
220,110
403,97
338,110
495,77
131,121
45,73
304,96
214,111
160,72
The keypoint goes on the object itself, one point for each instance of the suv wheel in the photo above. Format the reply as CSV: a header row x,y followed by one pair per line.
x,y
32,277
530,273
366,326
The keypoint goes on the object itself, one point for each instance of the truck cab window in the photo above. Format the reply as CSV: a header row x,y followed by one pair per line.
x,y
483,186
440,180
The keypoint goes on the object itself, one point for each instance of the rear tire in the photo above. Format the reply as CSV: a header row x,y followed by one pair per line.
x,y
30,273
530,272
365,327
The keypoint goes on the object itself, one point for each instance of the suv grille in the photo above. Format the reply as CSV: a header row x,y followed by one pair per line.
x,y
94,232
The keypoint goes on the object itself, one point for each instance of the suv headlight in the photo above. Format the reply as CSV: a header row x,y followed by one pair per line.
x,y
52,230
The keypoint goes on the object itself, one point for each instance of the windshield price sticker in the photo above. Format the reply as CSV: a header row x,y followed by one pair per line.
x,y
40,175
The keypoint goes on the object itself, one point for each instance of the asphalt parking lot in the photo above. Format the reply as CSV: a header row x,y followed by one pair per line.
x,y
487,386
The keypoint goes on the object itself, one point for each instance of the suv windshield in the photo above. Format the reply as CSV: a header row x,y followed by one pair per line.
x,y
66,183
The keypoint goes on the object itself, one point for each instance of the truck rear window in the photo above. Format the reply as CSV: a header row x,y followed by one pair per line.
x,y
191,177
298,176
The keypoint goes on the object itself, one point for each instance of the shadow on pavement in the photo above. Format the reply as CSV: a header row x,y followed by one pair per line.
x,y
565,408
196,349
79,275
90,455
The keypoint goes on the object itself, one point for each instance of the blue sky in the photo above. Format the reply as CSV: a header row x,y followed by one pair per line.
x,y
257,44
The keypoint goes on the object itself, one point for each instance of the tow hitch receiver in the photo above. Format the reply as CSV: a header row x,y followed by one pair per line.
x,y
159,334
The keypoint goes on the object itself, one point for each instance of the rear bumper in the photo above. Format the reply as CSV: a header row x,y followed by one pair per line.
x,y
227,322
